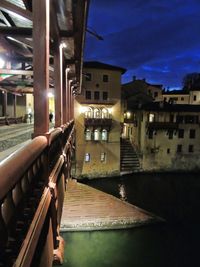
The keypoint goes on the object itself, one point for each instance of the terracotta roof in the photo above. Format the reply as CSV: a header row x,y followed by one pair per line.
x,y
164,106
100,65
175,92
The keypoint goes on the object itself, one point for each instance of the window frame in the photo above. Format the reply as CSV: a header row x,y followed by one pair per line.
x,y
105,78
86,95
88,77
87,157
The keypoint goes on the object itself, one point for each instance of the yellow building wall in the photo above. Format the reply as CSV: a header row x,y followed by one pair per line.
x,y
95,168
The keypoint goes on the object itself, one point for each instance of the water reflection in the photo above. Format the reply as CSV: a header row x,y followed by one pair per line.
x,y
122,192
174,197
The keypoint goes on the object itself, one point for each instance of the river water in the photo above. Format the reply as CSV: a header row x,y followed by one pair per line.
x,y
173,196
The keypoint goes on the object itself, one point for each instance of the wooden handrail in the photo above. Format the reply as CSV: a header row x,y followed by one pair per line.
x,y
32,184
13,169
25,256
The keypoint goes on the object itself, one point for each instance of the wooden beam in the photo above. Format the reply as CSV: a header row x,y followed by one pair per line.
x,y
16,31
27,4
54,21
16,72
41,65
8,21
58,81
66,34
9,7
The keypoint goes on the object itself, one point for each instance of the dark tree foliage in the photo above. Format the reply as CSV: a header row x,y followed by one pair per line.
x,y
191,81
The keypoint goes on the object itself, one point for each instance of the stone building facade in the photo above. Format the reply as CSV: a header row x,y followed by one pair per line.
x,y
167,136
97,113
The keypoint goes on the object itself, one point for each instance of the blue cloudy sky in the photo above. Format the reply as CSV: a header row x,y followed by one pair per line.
x,y
154,39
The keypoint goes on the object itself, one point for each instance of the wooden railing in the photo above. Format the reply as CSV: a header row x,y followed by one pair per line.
x,y
9,120
32,185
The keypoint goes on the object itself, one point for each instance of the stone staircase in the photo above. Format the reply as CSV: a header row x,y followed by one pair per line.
x,y
129,159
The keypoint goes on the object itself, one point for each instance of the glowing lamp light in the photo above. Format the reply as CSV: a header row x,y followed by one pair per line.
x,y
2,63
63,45
128,115
50,94
110,110
83,109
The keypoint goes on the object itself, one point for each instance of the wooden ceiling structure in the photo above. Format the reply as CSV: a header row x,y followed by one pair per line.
x,y
67,25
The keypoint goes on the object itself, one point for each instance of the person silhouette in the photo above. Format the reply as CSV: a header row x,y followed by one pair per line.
x,y
50,116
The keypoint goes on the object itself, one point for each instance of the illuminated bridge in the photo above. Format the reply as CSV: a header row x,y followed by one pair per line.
x,y
41,51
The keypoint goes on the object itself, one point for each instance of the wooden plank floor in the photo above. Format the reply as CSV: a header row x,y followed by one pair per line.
x,y
86,208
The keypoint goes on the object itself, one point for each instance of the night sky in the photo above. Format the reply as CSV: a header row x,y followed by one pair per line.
x,y
154,39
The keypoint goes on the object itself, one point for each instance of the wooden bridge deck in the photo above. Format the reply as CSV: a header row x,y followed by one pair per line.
x,y
86,208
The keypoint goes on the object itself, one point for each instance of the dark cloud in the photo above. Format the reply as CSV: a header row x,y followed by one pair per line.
x,y
158,40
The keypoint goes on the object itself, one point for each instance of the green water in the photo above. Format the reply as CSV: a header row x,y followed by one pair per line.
x,y
173,244
150,246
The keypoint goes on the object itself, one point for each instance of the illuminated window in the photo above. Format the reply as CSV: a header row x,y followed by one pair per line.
x,y
151,117
88,113
97,113
88,135
104,135
87,157
105,113
103,157
96,135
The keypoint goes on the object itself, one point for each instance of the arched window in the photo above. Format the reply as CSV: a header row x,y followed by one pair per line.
x,y
97,113
88,113
96,135
88,135
104,135
105,113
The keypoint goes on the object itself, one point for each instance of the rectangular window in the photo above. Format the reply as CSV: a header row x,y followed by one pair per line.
x,y
182,98
195,98
88,94
170,134
192,133
168,151
179,148
155,94
96,95
88,77
103,157
171,118
181,133
151,117
87,157
105,78
191,148
88,135
179,119
105,95
150,134
190,119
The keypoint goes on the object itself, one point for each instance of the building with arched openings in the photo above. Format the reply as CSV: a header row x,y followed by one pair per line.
x,y
98,121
